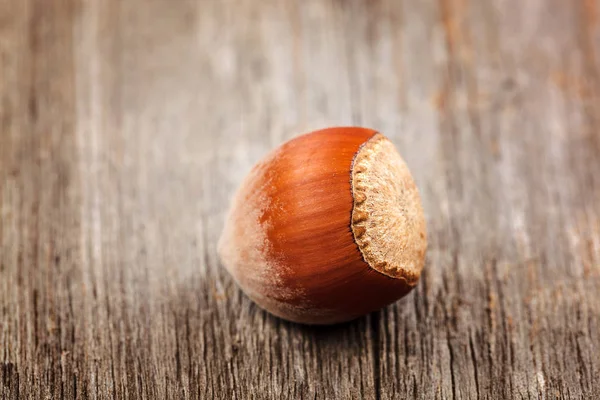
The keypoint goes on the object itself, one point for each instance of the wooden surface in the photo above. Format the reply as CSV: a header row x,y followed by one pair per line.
x,y
125,127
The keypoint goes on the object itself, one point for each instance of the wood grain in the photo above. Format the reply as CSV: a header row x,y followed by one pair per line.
x,y
126,126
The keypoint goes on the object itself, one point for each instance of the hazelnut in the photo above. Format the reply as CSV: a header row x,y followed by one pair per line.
x,y
326,228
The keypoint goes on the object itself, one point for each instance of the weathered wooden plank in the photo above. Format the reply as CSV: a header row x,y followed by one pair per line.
x,y
125,127
507,301
38,181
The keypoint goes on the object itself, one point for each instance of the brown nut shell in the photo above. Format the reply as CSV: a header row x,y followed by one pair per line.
x,y
326,228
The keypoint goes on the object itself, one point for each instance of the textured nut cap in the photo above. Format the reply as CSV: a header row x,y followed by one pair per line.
x,y
387,219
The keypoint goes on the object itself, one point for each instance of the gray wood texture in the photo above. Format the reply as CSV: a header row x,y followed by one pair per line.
x,y
126,126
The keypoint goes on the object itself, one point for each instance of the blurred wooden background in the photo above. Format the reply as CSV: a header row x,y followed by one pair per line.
x,y
125,127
